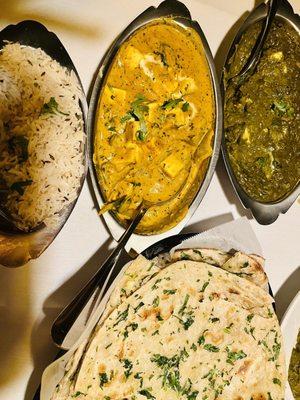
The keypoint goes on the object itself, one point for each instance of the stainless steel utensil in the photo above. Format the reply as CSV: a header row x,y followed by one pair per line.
x,y
104,277
256,52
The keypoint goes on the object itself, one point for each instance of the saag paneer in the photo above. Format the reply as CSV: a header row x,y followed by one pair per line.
x,y
262,114
294,370
155,125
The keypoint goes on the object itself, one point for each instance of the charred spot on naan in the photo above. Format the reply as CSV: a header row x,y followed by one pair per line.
x,y
248,267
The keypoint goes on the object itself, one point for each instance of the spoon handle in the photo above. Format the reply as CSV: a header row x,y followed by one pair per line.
x,y
258,47
67,317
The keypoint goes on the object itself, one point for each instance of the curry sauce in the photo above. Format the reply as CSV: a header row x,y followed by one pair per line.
x,y
262,114
155,125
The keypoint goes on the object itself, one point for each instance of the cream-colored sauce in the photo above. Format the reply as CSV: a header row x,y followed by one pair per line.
x,y
155,124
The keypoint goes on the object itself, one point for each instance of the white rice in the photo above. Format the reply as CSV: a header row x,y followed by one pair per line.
x,y
29,78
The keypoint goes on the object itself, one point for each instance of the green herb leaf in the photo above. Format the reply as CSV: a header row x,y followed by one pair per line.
x,y
51,107
233,356
103,379
127,364
276,381
162,57
19,145
130,328
211,348
141,304
204,287
172,103
156,302
77,394
126,117
183,307
122,316
146,393
185,107
20,186
185,256
249,317
170,291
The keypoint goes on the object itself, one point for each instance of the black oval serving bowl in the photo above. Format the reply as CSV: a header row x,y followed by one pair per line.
x,y
264,213
180,14
17,248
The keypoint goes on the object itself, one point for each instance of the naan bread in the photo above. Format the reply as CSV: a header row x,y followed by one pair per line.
x,y
191,332
209,256
137,273
250,267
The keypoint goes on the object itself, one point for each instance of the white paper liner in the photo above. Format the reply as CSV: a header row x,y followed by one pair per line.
x,y
234,235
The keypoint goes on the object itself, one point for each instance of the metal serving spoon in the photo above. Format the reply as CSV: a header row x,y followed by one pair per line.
x,y
103,278
256,52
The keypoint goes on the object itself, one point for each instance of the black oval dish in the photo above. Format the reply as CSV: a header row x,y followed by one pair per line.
x,y
17,248
177,11
165,245
264,213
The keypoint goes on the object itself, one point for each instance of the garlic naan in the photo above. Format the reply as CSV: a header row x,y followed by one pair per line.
x,y
192,331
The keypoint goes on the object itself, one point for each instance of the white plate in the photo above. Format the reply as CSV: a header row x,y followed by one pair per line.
x,y
290,326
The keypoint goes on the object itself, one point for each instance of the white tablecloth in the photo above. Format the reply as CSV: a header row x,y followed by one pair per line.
x,y
31,296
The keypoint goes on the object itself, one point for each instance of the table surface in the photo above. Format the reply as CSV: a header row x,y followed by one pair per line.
x,y
31,296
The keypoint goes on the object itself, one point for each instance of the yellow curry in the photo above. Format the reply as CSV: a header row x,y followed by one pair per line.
x,y
155,125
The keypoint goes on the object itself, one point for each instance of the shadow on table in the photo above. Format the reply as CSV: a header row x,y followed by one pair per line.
x,y
287,292
229,191
208,223
43,353
15,299
15,10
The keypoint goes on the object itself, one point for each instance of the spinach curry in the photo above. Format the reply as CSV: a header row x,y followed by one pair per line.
x,y
262,115
294,370
155,125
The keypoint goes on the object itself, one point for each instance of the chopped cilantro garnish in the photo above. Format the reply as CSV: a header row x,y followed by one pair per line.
x,y
170,291
146,393
51,107
169,104
127,365
19,145
103,379
276,381
233,356
20,186
205,284
185,106
211,348
122,316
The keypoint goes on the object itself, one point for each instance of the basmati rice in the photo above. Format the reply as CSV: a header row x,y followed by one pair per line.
x,y
41,136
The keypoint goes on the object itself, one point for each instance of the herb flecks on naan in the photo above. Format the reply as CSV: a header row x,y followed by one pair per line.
x,y
250,267
155,125
193,331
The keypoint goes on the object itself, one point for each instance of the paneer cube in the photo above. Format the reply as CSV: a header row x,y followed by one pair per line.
x,y
152,113
172,165
131,130
187,85
277,56
112,95
246,135
132,57
133,153
178,115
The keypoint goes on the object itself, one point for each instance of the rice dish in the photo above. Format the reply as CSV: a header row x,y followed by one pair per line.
x,y
42,136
